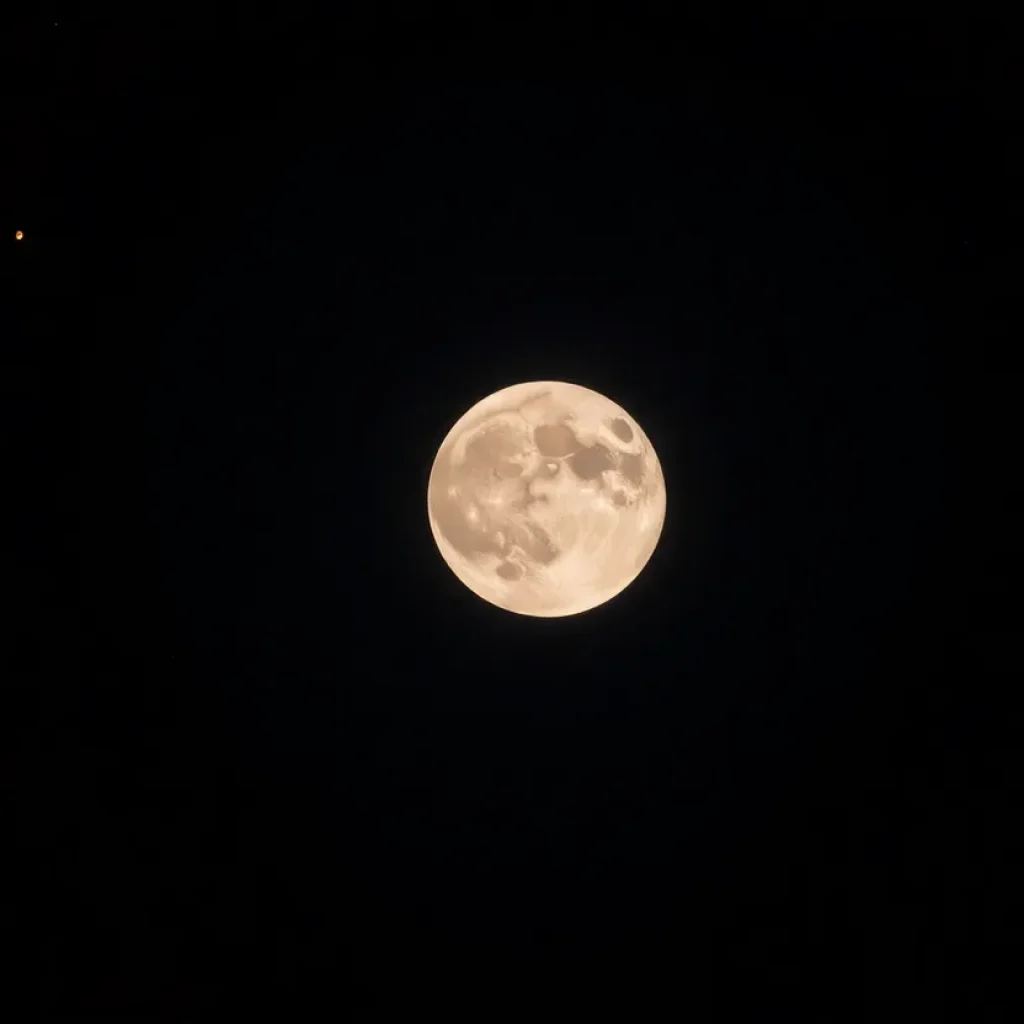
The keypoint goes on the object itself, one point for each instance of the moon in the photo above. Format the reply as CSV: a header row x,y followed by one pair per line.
x,y
546,499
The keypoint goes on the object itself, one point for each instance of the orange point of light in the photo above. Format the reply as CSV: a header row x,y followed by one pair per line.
x,y
19,235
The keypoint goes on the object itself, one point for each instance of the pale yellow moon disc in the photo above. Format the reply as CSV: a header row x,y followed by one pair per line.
x,y
546,499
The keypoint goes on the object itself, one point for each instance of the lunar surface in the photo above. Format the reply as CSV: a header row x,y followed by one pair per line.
x,y
546,499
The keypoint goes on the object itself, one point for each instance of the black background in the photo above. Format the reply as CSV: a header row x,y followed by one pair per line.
x,y
271,752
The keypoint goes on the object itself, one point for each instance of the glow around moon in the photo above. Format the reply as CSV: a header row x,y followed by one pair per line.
x,y
546,499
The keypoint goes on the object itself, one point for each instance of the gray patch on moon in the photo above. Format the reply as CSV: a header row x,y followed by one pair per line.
x,y
555,441
631,467
510,571
621,429
590,463
536,543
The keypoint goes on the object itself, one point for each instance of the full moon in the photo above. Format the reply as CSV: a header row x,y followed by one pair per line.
x,y
546,499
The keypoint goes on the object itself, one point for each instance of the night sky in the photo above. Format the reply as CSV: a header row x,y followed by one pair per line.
x,y
269,752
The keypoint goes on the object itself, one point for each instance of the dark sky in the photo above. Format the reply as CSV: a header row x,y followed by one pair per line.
x,y
271,753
